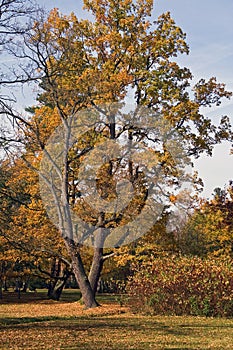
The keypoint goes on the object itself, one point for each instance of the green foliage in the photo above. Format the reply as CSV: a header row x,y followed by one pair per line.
x,y
183,286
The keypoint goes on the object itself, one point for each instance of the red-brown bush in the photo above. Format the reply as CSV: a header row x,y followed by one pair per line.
x,y
182,286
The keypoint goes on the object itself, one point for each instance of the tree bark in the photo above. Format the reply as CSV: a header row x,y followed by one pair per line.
x,y
56,292
1,288
53,273
88,295
59,278
25,286
96,268
97,260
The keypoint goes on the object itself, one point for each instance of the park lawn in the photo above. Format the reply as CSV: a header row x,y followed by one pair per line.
x,y
42,324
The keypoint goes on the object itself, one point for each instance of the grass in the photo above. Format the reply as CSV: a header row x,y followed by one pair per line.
x,y
36,323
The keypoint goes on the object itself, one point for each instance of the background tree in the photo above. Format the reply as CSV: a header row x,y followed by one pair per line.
x,y
28,238
209,230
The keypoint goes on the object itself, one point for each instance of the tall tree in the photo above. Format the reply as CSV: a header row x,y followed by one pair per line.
x,y
86,64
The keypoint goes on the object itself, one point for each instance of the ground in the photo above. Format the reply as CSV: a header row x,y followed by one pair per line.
x,y
36,323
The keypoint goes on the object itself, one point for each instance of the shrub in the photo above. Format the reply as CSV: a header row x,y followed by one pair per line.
x,y
182,286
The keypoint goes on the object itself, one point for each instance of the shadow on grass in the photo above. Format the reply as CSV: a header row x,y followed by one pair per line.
x,y
90,331
11,321
98,322
40,296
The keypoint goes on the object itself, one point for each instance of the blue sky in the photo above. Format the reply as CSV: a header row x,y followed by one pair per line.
x,y
209,28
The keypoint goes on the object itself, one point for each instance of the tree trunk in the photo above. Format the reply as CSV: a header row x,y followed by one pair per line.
x,y
96,268
97,261
25,285
59,277
17,288
1,289
88,295
53,281
5,288
56,292
56,288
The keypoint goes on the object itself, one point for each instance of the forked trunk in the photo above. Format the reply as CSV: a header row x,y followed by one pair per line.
x,y
56,292
56,287
88,295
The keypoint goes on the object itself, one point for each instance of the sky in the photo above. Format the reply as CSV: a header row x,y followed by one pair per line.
x,y
209,29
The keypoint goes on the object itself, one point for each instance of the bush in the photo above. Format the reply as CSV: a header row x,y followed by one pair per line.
x,y
182,286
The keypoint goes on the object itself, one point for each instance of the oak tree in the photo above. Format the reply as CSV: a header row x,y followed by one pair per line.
x,y
121,54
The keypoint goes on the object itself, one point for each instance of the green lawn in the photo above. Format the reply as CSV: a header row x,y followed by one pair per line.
x,y
43,324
